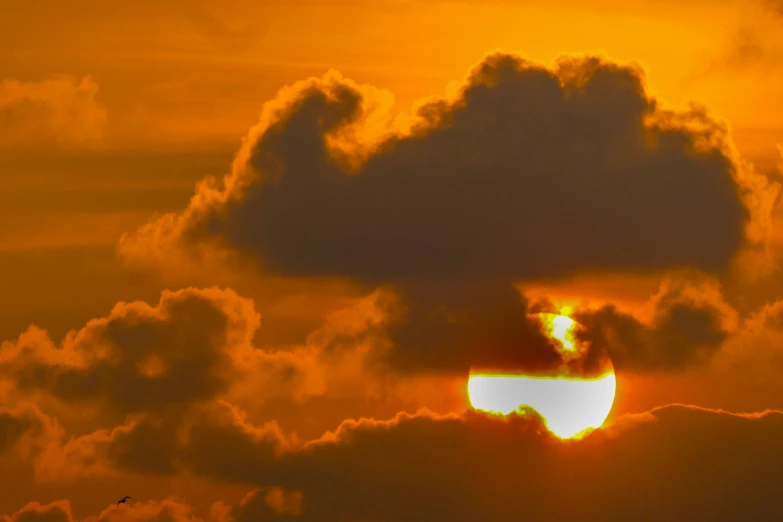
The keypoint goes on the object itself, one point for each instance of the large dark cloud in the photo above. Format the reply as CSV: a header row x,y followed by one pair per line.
x,y
674,463
529,172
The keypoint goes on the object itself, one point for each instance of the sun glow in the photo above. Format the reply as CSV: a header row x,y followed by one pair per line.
x,y
562,329
569,404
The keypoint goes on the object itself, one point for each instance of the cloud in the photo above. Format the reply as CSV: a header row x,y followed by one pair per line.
x,y
59,511
755,353
145,368
62,111
689,324
22,428
450,328
213,439
458,466
476,192
447,329
671,463
266,504
492,183
168,510
508,468
140,358
167,388
192,346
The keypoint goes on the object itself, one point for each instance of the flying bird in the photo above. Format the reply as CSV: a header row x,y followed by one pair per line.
x,y
122,501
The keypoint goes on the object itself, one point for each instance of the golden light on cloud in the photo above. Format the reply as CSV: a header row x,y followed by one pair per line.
x,y
569,404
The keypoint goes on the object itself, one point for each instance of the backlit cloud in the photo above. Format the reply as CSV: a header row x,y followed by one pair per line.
x,y
491,183
474,467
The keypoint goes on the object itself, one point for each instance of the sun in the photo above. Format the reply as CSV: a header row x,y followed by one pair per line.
x,y
569,404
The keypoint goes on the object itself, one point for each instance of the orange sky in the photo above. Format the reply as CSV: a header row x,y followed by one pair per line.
x,y
298,334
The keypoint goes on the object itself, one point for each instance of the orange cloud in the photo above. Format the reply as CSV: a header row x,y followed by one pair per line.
x,y
62,111
24,430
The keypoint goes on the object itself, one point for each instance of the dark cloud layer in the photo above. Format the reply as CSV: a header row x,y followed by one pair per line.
x,y
529,172
483,469
674,463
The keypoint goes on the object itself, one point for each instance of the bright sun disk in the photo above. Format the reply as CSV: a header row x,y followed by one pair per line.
x,y
568,405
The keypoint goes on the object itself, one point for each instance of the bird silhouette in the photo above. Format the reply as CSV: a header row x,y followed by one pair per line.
x,y
122,501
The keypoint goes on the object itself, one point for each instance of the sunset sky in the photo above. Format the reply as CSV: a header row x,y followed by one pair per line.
x,y
252,252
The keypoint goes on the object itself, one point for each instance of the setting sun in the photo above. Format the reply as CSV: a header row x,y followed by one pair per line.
x,y
569,404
